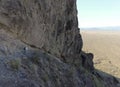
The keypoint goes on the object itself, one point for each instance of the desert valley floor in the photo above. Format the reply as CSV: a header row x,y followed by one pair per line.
x,y
105,45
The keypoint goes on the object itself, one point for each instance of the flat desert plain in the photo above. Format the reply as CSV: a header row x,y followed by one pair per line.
x,y
105,45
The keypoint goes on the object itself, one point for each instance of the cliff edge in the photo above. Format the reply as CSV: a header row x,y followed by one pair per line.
x,y
40,46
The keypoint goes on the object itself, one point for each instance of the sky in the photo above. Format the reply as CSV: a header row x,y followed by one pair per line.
x,y
98,13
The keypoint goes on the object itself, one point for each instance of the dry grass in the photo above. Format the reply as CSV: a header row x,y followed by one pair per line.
x,y
106,48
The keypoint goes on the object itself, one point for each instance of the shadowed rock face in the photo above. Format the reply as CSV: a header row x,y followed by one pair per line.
x,y
50,25
40,46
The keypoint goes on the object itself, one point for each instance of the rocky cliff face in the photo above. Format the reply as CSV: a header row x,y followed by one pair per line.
x,y
50,25
40,46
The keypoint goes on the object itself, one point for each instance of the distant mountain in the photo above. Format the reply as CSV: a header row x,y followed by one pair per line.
x,y
102,28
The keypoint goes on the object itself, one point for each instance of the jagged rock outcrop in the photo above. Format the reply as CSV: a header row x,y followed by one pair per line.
x,y
40,46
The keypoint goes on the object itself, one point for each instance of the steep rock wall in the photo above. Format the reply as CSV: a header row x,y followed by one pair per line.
x,y
50,25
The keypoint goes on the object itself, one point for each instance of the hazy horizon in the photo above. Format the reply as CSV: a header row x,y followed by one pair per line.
x,y
98,13
114,28
102,27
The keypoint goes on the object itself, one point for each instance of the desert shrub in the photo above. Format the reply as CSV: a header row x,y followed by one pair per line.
x,y
35,59
14,64
45,77
98,82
